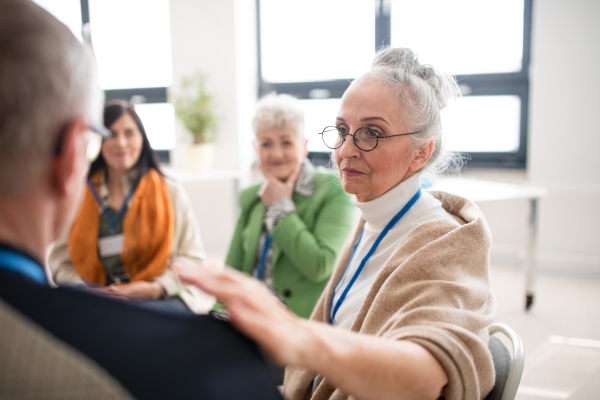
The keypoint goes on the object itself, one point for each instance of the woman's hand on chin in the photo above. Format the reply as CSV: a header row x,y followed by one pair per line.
x,y
273,189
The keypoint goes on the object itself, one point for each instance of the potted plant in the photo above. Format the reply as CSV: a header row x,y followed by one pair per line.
x,y
194,106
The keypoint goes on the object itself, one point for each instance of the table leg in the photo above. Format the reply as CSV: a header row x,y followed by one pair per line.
x,y
531,253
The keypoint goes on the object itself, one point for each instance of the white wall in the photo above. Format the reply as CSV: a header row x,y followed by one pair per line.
x,y
215,37
565,129
218,36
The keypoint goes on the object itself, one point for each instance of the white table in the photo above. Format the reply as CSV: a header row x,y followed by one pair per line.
x,y
485,191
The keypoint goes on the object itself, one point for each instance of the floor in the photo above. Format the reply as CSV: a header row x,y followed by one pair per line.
x,y
560,333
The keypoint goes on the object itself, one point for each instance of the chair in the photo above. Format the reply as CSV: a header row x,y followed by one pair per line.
x,y
508,369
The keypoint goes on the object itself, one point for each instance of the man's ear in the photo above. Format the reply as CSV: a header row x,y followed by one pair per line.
x,y
69,164
422,156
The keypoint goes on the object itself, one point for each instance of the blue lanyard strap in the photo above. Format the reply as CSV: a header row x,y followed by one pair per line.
x,y
263,258
112,219
333,310
13,261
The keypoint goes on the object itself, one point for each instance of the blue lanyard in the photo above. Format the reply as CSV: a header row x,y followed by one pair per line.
x,y
263,258
333,311
13,261
112,219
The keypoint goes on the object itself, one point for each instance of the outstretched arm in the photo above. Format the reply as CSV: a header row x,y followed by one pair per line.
x,y
366,367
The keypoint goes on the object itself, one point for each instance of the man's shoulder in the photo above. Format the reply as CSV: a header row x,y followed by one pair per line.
x,y
28,351
153,354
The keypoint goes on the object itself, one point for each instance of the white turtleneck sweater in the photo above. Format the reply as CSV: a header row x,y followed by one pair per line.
x,y
377,213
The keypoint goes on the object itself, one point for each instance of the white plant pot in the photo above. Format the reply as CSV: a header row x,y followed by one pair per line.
x,y
200,157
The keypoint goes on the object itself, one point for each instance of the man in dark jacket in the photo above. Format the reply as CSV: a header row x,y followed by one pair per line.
x,y
66,342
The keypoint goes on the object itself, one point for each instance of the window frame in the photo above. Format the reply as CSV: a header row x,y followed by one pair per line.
x,y
516,84
143,95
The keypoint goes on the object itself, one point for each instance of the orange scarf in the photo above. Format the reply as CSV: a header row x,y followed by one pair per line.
x,y
147,229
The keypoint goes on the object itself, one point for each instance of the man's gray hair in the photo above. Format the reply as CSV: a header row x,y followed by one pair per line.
x,y
47,79
278,111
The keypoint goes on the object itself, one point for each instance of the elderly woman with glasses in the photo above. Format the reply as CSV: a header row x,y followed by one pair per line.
x,y
133,225
405,312
293,224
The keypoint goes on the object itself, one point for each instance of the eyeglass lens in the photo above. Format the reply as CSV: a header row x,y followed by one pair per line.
x,y
94,145
364,138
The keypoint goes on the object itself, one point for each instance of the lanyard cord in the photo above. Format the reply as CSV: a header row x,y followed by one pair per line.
x,y
114,218
15,262
333,311
263,258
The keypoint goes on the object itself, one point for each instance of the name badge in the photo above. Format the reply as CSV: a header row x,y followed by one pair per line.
x,y
110,245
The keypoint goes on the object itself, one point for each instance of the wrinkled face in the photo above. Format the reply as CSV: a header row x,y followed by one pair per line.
x,y
123,149
368,175
280,151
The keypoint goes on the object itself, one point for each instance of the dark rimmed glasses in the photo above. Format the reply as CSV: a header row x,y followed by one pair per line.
x,y
365,139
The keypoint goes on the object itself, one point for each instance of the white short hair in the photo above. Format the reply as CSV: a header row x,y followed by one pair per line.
x,y
278,111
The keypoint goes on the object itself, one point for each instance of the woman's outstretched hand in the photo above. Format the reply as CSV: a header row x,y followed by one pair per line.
x,y
364,366
253,310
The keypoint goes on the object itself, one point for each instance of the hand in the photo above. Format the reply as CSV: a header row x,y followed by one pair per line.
x,y
140,290
184,261
253,310
273,189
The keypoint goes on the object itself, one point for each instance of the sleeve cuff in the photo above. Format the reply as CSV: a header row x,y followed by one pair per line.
x,y
169,283
280,209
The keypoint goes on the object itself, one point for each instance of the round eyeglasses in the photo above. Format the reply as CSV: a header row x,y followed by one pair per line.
x,y
365,139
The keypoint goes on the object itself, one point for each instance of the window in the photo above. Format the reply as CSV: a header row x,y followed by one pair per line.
x,y
485,44
132,44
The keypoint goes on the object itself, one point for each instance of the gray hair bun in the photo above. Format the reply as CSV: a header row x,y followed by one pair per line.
x,y
405,61
422,92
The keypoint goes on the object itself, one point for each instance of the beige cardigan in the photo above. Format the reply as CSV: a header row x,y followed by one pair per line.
x,y
435,291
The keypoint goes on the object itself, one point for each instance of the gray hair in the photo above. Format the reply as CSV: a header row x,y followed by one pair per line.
x,y
47,79
422,92
278,111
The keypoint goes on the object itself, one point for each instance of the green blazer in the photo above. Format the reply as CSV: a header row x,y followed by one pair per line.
x,y
305,243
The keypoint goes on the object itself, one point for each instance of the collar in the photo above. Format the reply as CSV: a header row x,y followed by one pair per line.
x,y
377,212
22,262
306,179
126,182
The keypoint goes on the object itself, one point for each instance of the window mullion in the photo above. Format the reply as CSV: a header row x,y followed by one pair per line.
x,y
383,32
147,95
85,12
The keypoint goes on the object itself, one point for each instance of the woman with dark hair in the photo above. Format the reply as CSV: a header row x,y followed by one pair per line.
x,y
133,225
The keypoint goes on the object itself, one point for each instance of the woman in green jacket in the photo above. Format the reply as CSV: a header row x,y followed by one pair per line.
x,y
291,226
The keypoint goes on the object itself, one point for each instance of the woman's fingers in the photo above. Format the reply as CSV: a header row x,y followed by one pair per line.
x,y
139,290
108,292
291,180
252,307
219,283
